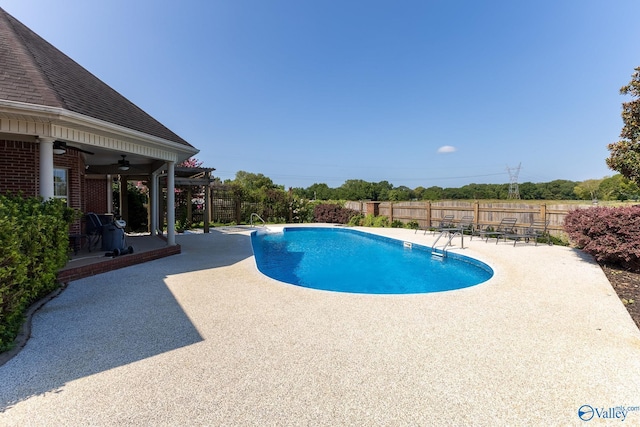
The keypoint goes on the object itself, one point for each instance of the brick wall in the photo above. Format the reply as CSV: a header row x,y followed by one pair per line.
x,y
96,195
17,164
20,169
109,264
74,163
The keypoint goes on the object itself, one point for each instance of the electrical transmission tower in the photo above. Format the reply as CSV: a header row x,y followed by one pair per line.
x,y
514,192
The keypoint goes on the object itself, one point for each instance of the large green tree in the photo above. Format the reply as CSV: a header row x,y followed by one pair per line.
x,y
320,192
588,190
357,189
618,187
255,181
625,154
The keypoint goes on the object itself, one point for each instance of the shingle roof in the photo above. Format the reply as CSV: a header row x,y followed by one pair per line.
x,y
34,71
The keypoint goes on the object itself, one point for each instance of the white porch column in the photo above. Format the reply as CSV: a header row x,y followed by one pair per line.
x,y
46,168
171,204
153,204
109,194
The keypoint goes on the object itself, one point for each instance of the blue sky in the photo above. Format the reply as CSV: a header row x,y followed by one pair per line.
x,y
324,91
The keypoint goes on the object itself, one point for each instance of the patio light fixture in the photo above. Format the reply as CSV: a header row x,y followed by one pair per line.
x,y
59,147
123,164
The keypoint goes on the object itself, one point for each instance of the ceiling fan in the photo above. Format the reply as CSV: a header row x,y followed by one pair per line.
x,y
61,147
123,164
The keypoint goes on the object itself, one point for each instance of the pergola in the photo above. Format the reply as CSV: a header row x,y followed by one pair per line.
x,y
191,177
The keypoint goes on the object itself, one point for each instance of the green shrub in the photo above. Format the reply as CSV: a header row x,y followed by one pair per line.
x,y
183,222
381,221
375,221
397,224
301,210
34,245
356,220
413,225
368,220
137,214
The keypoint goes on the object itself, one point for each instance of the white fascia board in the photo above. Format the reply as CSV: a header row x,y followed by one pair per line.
x,y
60,118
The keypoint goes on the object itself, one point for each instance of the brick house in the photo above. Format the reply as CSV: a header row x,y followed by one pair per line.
x,y
65,133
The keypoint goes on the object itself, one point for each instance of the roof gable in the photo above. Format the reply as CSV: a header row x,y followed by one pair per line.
x,y
34,71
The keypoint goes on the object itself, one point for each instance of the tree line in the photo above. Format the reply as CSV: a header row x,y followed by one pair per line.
x,y
617,187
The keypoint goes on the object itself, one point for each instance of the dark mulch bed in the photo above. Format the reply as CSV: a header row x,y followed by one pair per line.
x,y
627,286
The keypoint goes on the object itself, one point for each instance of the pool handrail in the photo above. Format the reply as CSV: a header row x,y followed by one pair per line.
x,y
264,224
465,223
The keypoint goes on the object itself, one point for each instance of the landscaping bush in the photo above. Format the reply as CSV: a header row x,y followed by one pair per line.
x,y
413,225
137,215
611,235
381,221
356,220
375,221
34,245
332,213
301,210
368,220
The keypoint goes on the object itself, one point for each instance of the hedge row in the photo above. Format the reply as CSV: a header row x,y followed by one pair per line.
x,y
34,243
611,235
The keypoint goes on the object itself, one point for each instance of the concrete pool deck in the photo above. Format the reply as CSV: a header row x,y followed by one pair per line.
x,y
202,338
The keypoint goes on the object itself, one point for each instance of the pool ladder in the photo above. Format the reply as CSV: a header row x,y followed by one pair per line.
x,y
264,224
451,234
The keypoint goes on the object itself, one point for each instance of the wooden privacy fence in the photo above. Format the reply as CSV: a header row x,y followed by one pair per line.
x,y
428,214
228,206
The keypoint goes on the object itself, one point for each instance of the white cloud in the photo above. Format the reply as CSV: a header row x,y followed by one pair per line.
x,y
447,149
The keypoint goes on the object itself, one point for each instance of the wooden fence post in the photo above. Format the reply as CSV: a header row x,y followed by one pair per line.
x,y
543,212
189,205
238,211
206,217
476,215
390,212
428,209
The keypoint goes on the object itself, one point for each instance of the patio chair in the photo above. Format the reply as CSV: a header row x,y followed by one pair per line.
x,y
465,224
93,230
538,230
482,230
445,222
506,227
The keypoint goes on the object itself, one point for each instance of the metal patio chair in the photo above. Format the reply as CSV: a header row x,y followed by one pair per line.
x,y
506,227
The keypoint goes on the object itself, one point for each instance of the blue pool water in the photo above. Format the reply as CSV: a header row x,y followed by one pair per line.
x,y
347,260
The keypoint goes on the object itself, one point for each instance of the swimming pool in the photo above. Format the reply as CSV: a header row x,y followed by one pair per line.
x,y
347,260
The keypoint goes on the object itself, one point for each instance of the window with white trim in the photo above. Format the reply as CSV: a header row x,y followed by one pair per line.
x,y
61,184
